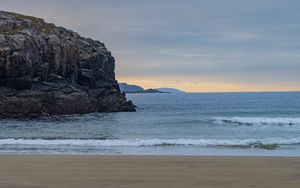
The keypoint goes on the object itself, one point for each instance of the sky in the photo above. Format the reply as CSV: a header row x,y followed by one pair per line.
x,y
193,45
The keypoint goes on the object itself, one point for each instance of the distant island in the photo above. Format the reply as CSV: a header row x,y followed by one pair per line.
x,y
129,88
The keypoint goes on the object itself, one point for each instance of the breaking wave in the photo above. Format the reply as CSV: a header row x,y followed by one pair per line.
x,y
258,121
150,142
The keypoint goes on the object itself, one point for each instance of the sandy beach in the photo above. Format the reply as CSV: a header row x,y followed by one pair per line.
x,y
148,172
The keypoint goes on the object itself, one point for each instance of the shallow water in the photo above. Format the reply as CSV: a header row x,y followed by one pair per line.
x,y
169,124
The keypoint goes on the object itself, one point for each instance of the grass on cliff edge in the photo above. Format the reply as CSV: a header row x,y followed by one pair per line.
x,y
37,23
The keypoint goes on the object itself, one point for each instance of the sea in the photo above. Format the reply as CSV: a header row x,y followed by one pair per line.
x,y
218,124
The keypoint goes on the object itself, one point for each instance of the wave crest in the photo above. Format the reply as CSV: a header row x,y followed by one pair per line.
x,y
151,142
258,121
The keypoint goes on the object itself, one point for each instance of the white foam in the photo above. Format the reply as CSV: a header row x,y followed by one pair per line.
x,y
150,142
259,121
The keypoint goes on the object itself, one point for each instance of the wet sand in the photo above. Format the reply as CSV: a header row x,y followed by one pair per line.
x,y
148,172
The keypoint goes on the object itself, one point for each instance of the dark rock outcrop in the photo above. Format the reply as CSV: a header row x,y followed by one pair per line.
x,y
49,70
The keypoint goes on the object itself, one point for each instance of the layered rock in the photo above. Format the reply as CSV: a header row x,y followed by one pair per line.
x,y
49,70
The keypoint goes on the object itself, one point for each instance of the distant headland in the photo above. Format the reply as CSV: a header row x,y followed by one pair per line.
x,y
129,88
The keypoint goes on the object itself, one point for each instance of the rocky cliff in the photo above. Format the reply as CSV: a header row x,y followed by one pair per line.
x,y
49,70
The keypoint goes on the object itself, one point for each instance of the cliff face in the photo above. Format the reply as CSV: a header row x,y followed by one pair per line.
x,y
46,69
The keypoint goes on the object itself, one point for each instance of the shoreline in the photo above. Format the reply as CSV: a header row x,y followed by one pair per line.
x,y
148,171
143,155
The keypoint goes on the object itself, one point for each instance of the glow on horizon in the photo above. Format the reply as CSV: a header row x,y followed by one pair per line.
x,y
207,86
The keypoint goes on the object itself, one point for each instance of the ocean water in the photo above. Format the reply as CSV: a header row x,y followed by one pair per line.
x,y
239,124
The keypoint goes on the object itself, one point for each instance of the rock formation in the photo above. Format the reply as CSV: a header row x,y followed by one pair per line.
x,y
49,70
